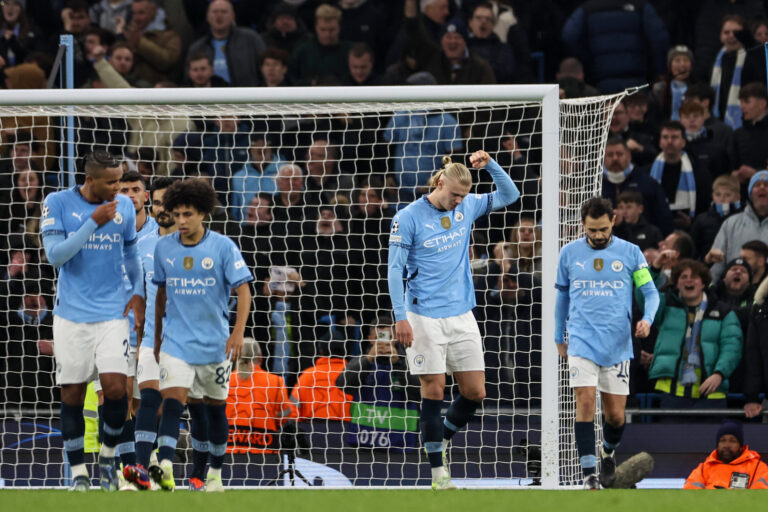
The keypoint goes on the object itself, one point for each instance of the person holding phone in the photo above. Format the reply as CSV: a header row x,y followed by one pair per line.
x,y
385,408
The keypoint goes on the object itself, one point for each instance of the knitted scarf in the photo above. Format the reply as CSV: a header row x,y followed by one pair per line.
x,y
692,349
732,115
685,198
677,90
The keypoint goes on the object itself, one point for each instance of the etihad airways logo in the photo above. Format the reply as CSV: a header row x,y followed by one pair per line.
x,y
598,283
190,285
190,281
597,287
445,238
104,238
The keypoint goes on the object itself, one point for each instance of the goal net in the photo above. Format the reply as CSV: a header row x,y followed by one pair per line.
x,y
308,181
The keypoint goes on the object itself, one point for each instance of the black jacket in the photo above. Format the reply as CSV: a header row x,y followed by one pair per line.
x,y
642,234
756,349
655,204
749,146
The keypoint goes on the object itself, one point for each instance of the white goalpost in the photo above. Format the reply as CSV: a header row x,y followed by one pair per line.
x,y
357,154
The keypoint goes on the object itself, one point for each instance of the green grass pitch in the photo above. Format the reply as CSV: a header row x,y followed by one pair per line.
x,y
300,500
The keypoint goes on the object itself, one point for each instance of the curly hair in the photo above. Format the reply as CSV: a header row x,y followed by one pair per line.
x,y
192,192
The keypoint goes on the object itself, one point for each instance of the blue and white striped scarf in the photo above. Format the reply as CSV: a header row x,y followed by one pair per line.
x,y
685,198
732,115
677,91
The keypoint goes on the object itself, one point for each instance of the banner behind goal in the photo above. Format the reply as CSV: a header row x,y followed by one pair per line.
x,y
308,181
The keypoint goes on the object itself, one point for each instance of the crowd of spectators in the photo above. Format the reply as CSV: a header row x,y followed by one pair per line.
x,y
309,199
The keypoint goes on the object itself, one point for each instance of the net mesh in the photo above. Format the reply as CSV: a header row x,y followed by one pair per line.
x,y
308,192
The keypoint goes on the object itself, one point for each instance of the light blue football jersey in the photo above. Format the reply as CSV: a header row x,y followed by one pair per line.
x,y
600,284
197,281
439,280
149,229
91,286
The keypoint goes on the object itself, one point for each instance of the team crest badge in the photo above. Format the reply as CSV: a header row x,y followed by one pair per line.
x,y
189,262
598,263
617,266
459,216
118,218
207,263
418,360
445,222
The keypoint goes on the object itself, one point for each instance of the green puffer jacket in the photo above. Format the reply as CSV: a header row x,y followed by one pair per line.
x,y
721,339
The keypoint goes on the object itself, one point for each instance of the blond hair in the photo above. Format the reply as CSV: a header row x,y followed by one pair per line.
x,y
327,12
727,181
454,170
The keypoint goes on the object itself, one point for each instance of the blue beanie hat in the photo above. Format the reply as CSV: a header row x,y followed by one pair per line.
x,y
758,176
457,26
734,428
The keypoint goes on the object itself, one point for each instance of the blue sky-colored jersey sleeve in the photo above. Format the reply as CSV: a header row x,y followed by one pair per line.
x,y
506,191
562,303
563,281
133,268
159,277
236,272
59,249
51,219
652,299
129,231
400,243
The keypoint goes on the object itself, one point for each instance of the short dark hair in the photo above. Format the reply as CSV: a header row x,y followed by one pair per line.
x,y
673,125
98,160
77,5
200,56
133,176
684,245
118,45
193,192
631,195
595,208
701,91
757,246
753,90
360,49
737,18
161,183
697,267
615,140
276,54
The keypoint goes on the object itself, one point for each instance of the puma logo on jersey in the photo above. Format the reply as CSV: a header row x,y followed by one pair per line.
x,y
78,216
430,226
170,261
579,264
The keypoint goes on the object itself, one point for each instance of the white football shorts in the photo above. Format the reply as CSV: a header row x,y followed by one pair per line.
x,y
613,380
444,345
202,380
147,367
85,349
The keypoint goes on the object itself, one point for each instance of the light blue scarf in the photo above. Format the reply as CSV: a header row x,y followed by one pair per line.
x,y
732,115
678,94
685,198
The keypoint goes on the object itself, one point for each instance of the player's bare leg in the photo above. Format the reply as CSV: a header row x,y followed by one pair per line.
x,y
462,409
